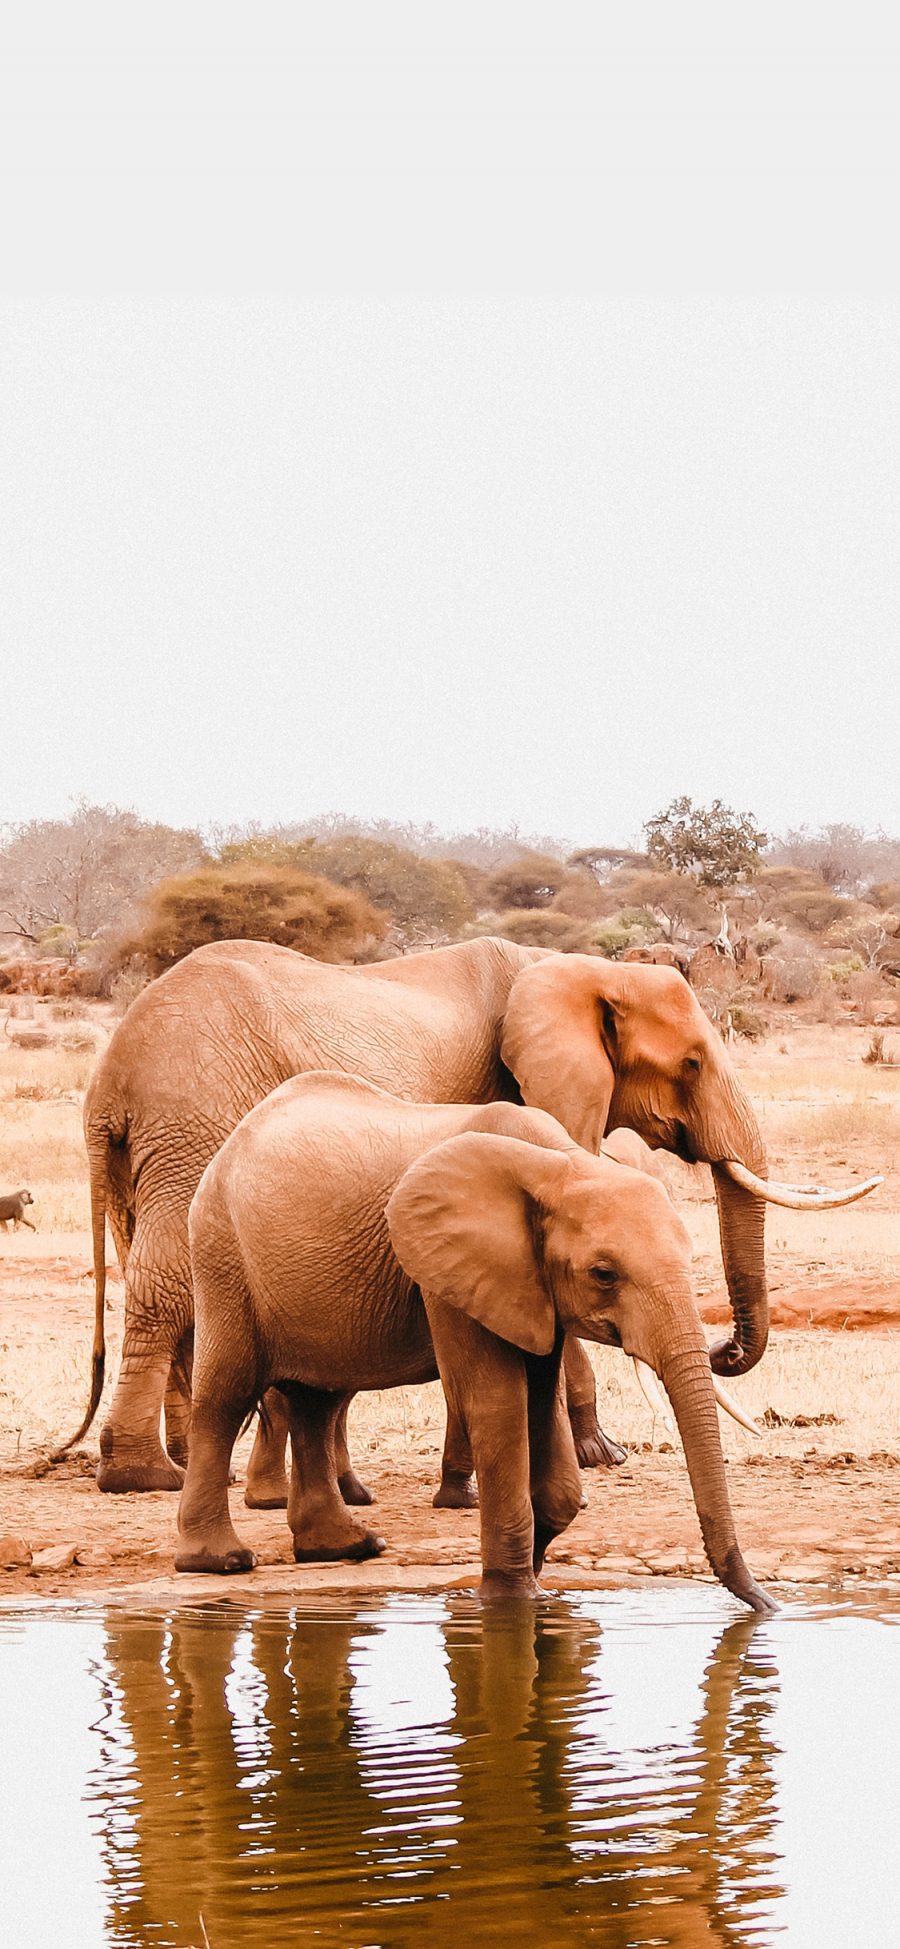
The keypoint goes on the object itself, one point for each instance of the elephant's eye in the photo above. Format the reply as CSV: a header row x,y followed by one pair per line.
x,y
692,1066
604,1275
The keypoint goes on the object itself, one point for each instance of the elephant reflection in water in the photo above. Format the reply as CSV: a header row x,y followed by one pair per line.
x,y
248,1801
269,1789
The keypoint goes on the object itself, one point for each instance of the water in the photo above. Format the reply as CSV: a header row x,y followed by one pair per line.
x,y
623,1769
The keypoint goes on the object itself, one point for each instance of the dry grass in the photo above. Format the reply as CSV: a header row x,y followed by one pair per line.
x,y
853,1377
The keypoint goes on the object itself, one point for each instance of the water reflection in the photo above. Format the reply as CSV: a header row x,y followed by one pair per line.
x,y
407,1772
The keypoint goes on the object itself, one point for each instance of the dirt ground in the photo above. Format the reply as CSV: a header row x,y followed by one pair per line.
x,y
817,1500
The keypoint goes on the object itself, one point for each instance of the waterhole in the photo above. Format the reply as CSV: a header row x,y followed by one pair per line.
x,y
631,1769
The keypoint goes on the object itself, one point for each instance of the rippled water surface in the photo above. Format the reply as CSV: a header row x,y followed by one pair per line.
x,y
625,1769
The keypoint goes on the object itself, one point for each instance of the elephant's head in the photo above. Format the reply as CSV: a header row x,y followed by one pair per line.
x,y
527,1240
599,1044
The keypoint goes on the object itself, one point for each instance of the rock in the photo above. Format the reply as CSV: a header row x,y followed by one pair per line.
x,y
666,1563
15,1553
93,1557
60,1556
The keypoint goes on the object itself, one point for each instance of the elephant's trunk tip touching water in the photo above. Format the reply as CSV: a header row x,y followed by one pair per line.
x,y
682,1363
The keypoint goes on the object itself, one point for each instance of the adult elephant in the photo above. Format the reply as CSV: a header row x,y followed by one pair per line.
x,y
594,1043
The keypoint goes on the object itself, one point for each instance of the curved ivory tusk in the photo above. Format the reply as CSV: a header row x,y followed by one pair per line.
x,y
794,1196
728,1403
653,1394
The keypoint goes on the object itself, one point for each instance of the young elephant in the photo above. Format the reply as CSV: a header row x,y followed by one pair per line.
x,y
343,1239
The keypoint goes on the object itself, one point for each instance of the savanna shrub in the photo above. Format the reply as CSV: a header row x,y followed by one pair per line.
x,y
612,939
792,977
747,1022
867,991
253,901
542,927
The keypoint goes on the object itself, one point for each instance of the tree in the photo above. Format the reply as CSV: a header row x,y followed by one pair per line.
x,y
254,901
530,880
426,898
714,844
85,874
785,893
603,861
674,900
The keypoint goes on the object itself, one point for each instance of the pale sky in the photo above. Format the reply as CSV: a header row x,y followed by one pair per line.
x,y
370,439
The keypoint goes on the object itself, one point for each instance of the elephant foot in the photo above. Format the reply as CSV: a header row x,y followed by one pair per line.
x,y
218,1563
503,1587
334,1542
456,1492
266,1491
353,1491
594,1449
119,1476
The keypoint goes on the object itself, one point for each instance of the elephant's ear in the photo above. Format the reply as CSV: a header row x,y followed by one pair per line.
x,y
464,1221
559,1040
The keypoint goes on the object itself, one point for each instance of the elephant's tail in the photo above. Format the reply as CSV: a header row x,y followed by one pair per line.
x,y
97,1157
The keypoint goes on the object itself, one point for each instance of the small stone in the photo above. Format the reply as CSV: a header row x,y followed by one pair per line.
x,y
93,1557
666,1563
15,1553
60,1556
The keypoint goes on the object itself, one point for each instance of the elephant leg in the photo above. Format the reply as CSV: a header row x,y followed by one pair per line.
x,y
353,1491
594,1449
178,1401
321,1524
267,1483
555,1480
158,1314
457,1488
207,1539
485,1383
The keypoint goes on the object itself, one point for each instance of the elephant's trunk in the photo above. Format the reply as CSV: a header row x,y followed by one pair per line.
x,y
683,1366
730,1130
742,1225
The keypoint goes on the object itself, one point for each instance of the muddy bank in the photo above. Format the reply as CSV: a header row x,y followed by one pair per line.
x,y
826,1520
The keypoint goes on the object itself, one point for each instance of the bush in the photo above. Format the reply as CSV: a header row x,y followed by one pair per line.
x,y
541,927
252,901
840,971
747,1022
866,992
529,882
612,939
826,1004
424,897
125,985
791,977
764,939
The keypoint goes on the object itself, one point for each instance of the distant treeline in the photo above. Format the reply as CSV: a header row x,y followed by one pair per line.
x,y
107,885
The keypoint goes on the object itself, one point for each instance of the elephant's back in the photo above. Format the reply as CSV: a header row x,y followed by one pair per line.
x,y
318,1160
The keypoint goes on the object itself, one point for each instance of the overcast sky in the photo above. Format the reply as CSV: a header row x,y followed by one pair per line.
x,y
367,443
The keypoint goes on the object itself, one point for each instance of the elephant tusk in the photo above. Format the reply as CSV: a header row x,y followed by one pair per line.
x,y
796,1197
728,1403
653,1394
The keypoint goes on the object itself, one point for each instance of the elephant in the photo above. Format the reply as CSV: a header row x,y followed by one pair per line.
x,y
343,1238
592,1042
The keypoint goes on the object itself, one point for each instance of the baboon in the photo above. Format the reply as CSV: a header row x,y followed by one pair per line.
x,y
13,1207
